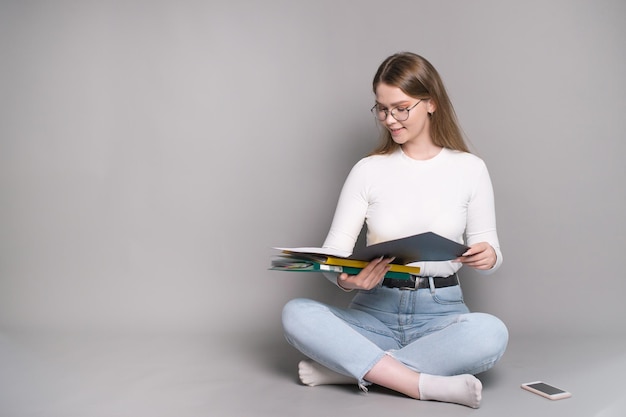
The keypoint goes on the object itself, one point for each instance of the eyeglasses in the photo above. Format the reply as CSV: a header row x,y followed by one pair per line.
x,y
399,113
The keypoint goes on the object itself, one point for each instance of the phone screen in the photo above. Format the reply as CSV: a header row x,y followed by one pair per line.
x,y
548,389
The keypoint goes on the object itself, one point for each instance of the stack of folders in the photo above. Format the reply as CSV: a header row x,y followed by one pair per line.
x,y
423,247
313,262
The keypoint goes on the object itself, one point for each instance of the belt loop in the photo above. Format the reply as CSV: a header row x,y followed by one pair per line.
x,y
431,283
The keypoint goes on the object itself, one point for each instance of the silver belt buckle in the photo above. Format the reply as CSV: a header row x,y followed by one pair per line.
x,y
415,284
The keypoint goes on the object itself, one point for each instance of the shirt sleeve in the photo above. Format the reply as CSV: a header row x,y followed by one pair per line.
x,y
349,216
481,217
350,212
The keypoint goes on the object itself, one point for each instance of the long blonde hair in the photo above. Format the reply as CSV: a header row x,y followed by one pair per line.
x,y
417,78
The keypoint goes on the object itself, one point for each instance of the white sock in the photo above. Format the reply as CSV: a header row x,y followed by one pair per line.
x,y
312,373
458,389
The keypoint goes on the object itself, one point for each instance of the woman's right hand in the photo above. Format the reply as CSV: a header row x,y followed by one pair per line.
x,y
368,278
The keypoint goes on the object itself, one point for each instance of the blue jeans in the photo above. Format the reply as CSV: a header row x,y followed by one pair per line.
x,y
429,330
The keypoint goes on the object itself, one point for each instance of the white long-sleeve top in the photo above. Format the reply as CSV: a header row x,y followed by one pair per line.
x,y
397,196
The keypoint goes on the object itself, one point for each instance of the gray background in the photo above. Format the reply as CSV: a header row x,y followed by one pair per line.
x,y
153,153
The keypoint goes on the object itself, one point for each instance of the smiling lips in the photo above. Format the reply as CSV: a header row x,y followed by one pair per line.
x,y
395,131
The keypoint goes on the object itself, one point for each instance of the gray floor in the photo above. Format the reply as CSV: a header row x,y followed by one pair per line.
x,y
254,375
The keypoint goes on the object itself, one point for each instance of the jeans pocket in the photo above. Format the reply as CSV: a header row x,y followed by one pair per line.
x,y
448,295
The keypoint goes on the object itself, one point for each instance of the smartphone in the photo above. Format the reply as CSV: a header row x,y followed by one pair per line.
x,y
546,390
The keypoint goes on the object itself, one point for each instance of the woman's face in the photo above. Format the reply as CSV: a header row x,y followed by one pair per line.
x,y
416,128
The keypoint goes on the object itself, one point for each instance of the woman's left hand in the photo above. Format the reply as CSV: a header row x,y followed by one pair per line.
x,y
479,256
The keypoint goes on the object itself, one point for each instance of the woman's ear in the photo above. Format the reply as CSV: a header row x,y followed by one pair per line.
x,y
431,106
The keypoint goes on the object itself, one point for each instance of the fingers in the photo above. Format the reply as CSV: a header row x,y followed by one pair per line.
x,y
480,263
369,277
479,256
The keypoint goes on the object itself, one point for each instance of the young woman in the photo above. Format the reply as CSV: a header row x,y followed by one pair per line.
x,y
420,341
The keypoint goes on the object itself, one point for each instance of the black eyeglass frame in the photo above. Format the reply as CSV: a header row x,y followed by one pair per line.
x,y
375,112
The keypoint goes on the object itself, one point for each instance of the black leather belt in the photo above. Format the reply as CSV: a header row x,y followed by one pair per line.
x,y
415,283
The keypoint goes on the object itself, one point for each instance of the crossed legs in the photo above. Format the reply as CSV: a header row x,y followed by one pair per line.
x,y
348,346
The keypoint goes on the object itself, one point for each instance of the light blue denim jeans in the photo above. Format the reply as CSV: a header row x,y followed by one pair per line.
x,y
429,330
